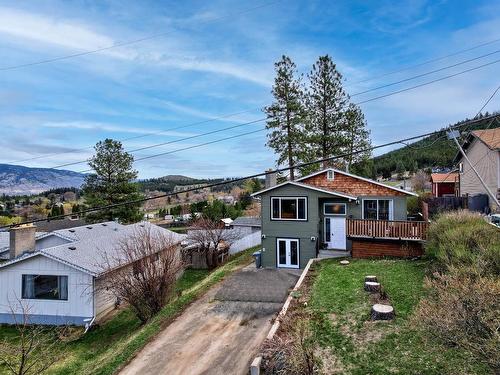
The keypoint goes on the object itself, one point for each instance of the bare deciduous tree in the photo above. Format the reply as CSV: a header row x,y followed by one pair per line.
x,y
27,353
211,239
144,271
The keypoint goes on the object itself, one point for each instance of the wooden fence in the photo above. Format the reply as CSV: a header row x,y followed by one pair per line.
x,y
405,230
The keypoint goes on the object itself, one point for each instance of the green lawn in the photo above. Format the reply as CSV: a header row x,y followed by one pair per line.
x,y
353,344
106,348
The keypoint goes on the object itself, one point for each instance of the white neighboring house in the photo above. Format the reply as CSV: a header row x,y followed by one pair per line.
x,y
57,275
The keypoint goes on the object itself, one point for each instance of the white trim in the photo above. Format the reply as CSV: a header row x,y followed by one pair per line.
x,y
358,177
328,175
296,210
288,246
50,256
332,219
306,186
333,203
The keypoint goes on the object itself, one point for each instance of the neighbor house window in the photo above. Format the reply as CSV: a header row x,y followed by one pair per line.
x,y
330,175
334,209
377,209
288,208
45,287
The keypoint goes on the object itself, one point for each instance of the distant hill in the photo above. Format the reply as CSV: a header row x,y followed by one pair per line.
x,y
435,151
20,180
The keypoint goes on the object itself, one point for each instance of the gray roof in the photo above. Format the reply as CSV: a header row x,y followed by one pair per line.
x,y
247,221
95,249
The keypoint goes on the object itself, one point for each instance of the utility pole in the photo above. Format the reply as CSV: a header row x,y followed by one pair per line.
x,y
452,134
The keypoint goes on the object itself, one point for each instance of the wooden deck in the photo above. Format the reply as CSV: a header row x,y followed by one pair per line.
x,y
385,229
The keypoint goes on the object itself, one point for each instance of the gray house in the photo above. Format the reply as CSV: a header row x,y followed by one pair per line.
x,y
335,210
483,150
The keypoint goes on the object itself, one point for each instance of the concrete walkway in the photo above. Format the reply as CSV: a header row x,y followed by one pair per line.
x,y
217,336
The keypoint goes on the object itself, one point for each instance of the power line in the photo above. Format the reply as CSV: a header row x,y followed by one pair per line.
x,y
191,147
430,82
277,170
169,142
264,119
428,61
147,134
249,110
425,74
130,42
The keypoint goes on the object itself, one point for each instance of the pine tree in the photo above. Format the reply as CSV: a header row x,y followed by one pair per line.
x,y
286,115
326,103
357,137
112,183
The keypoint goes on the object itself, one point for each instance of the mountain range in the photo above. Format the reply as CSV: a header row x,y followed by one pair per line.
x,y
19,180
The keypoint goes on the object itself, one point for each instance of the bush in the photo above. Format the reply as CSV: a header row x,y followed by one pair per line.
x,y
463,309
463,238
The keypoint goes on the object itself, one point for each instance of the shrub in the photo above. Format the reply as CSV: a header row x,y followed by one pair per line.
x,y
463,309
463,238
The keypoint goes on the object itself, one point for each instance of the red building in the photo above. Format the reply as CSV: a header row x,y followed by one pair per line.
x,y
444,184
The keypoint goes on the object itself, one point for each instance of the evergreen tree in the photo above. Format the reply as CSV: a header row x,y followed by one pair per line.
x,y
285,116
357,138
112,183
326,103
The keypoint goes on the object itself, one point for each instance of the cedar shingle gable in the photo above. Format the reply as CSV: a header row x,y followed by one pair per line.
x,y
350,185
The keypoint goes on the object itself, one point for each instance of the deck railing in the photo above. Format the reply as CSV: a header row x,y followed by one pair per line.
x,y
405,230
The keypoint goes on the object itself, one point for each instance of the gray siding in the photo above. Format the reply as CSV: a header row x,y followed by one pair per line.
x,y
313,227
487,163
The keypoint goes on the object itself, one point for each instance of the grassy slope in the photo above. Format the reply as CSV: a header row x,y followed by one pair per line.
x,y
361,346
107,348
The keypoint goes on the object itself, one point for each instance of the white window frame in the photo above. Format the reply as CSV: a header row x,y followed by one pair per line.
x,y
333,203
297,208
330,175
288,241
391,207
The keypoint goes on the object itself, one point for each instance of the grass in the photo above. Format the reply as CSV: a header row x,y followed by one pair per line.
x,y
355,345
107,348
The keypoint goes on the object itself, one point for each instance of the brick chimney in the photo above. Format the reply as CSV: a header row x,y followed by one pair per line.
x,y
22,239
271,178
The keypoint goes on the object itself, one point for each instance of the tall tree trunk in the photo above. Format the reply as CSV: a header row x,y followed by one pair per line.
x,y
289,143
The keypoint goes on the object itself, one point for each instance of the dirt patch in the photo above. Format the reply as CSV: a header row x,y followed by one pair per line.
x,y
214,336
208,338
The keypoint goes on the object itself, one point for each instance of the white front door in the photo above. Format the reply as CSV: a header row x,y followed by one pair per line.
x,y
287,252
335,237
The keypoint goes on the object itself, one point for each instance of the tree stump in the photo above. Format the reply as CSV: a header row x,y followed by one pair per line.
x,y
372,287
344,262
371,278
382,312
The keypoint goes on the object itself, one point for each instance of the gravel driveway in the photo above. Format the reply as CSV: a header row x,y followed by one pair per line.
x,y
222,331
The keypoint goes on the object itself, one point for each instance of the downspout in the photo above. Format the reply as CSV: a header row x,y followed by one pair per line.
x,y
89,322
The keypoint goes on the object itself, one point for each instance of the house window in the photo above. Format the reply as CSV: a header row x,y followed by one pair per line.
x,y
289,208
45,287
334,209
377,209
330,175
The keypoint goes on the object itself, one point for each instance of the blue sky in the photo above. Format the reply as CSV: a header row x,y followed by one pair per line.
x,y
216,58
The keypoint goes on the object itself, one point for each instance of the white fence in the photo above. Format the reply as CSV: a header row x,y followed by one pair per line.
x,y
246,242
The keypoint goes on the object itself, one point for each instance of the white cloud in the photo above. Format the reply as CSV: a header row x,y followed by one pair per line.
x,y
93,126
48,30
78,37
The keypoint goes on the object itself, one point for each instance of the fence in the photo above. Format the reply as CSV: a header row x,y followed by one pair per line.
x,y
246,242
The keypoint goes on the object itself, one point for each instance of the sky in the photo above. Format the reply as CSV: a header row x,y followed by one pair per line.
x,y
211,66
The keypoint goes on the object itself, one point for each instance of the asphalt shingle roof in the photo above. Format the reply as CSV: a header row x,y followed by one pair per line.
x,y
96,248
247,221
